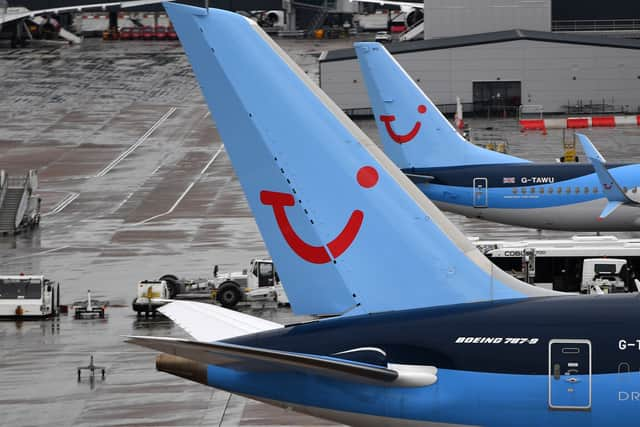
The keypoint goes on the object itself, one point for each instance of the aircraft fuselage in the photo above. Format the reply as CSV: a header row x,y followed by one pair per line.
x,y
547,196
542,361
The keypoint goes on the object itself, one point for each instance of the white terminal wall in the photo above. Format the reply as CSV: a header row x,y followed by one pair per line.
x,y
448,18
545,70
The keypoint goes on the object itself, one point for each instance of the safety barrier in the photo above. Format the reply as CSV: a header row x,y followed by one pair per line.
x,y
578,123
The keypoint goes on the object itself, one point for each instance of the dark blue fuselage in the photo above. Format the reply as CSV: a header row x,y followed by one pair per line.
x,y
552,196
558,361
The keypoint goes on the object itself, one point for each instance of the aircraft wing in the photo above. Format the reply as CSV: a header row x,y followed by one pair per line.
x,y
208,322
246,358
404,5
10,15
610,187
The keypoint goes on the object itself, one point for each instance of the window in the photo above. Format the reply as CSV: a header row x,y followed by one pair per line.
x,y
625,189
550,190
595,190
559,190
33,291
635,190
568,190
523,190
266,269
514,190
577,190
8,290
586,190
541,190
20,289
533,190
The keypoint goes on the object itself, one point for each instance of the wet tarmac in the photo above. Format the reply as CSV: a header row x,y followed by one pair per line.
x,y
135,183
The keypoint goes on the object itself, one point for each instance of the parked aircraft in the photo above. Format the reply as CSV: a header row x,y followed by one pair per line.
x,y
405,6
430,332
13,20
469,180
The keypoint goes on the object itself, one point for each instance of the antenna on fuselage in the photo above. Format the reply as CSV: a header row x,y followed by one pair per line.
x,y
206,5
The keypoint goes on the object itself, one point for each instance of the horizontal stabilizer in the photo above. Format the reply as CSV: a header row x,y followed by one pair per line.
x,y
251,358
420,179
208,322
608,210
610,187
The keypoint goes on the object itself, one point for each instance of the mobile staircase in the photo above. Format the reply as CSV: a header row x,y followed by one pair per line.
x,y
413,32
19,206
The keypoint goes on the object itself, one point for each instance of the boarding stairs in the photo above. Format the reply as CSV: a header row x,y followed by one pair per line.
x,y
9,209
62,33
16,202
413,32
318,20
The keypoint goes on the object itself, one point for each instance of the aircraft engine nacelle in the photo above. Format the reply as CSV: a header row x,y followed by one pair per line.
x,y
274,18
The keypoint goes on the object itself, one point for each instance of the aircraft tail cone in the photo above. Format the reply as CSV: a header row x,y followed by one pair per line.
x,y
181,367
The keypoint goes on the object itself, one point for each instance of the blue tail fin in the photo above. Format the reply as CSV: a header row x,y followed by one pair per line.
x,y
347,230
612,190
413,131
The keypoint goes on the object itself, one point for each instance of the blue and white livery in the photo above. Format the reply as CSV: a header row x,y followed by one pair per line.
x,y
431,334
463,178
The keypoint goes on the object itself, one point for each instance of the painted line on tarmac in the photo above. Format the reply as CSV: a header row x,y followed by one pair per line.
x,y
187,190
139,142
39,253
62,204
121,204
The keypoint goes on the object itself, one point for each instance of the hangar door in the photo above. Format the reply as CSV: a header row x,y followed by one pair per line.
x,y
497,98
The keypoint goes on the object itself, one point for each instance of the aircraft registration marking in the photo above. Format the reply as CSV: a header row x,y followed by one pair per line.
x,y
538,180
629,344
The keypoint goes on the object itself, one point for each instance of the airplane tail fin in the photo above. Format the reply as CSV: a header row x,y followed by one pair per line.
x,y
413,131
610,187
347,230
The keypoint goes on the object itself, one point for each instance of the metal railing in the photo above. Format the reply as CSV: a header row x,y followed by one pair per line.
x,y
23,205
3,186
409,34
599,107
16,181
597,25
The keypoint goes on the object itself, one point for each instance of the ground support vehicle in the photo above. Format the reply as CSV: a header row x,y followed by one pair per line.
x,y
259,282
383,37
582,264
151,295
26,296
89,308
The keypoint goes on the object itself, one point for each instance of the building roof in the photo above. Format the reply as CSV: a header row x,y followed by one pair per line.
x,y
489,38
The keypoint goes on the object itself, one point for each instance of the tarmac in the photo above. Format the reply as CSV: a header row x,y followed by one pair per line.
x,y
135,183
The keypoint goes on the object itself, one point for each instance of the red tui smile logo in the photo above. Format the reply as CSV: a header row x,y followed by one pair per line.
x,y
401,139
367,177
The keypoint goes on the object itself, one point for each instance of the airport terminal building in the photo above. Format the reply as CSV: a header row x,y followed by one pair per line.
x,y
498,58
